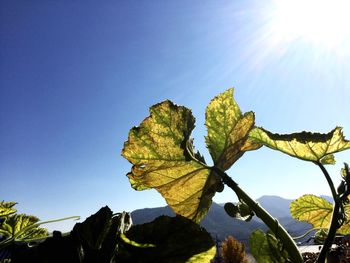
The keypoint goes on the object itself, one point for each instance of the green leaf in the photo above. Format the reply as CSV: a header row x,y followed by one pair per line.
x,y
22,227
266,248
307,146
6,208
328,159
173,239
317,211
228,130
312,209
163,158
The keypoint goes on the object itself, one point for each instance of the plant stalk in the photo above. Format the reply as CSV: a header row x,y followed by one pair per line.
x,y
335,217
269,220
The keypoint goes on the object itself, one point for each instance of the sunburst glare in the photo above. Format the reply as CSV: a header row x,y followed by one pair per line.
x,y
321,23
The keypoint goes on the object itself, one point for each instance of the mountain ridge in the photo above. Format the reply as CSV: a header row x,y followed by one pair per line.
x,y
220,225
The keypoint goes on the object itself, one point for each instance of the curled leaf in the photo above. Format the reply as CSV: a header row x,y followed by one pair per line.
x,y
228,130
163,158
307,146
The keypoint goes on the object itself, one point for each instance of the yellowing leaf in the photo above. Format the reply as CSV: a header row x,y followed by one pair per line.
x,y
6,208
228,130
312,209
21,227
317,211
307,146
161,152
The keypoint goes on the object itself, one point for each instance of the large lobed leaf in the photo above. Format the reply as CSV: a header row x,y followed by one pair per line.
x,y
228,130
307,146
22,227
161,152
317,211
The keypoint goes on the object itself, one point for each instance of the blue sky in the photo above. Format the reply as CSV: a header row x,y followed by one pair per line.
x,y
75,76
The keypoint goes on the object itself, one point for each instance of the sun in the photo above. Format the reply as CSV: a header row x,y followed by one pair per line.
x,y
324,23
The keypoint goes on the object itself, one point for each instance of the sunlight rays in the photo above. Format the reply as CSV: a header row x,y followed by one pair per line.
x,y
324,24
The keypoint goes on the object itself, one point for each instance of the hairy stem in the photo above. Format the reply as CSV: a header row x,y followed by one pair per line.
x,y
269,220
335,217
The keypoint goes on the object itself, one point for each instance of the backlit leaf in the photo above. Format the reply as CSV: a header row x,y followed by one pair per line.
x,y
6,208
307,146
317,211
228,130
163,158
266,248
21,227
168,240
312,209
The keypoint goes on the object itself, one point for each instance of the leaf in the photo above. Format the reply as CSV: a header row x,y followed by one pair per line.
x,y
266,248
6,208
163,158
22,227
307,146
96,239
328,159
98,234
317,211
174,239
228,130
312,209
93,230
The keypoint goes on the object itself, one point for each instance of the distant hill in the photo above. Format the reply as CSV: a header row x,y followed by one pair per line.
x,y
220,225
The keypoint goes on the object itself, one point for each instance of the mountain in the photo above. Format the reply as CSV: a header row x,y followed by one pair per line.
x,y
275,205
220,225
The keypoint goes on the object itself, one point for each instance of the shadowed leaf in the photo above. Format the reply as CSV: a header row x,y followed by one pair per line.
x,y
173,239
228,130
307,146
163,158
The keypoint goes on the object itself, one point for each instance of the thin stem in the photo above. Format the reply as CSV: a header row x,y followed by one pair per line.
x,y
329,180
335,217
270,221
309,231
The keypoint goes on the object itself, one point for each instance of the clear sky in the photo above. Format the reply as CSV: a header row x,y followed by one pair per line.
x,y
75,76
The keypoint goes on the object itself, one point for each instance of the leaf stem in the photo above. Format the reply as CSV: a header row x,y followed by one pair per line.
x,y
329,181
335,217
269,220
